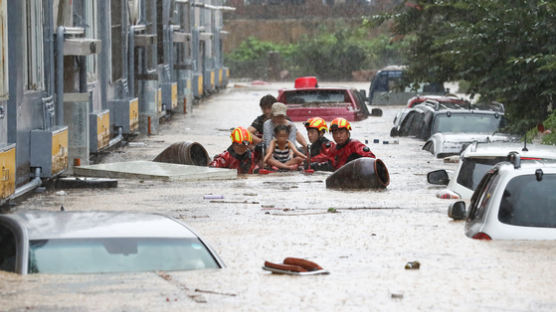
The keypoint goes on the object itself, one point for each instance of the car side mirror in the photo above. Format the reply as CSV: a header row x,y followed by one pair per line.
x,y
438,177
376,112
457,211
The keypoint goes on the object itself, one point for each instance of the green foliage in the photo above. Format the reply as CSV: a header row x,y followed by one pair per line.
x,y
505,49
546,138
329,55
550,124
250,59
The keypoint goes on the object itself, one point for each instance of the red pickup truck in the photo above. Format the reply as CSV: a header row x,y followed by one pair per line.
x,y
307,100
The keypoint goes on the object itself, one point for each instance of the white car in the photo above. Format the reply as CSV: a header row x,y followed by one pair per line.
x,y
514,201
99,242
444,144
477,159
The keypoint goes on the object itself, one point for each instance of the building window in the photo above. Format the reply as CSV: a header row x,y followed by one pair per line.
x,y
34,71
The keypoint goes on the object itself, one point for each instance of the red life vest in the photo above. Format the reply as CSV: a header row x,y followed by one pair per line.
x,y
353,149
229,159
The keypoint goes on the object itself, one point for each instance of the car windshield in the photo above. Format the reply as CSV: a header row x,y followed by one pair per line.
x,y
103,255
529,201
473,169
466,123
316,96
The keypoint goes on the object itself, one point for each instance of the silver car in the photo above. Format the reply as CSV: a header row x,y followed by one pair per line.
x,y
477,159
444,144
99,242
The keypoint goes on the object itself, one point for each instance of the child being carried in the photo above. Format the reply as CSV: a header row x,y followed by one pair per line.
x,y
282,152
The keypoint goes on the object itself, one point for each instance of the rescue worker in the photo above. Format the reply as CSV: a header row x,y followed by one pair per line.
x,y
320,145
346,149
238,155
256,127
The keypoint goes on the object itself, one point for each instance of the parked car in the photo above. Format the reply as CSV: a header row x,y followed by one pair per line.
x,y
448,98
514,200
308,100
99,242
477,159
386,87
448,127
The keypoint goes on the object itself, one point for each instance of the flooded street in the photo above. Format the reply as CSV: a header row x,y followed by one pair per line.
x,y
365,245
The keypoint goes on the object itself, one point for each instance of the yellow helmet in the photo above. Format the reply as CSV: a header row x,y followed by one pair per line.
x,y
339,123
241,135
316,123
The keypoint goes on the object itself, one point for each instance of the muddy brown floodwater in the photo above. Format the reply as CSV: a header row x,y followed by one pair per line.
x,y
365,245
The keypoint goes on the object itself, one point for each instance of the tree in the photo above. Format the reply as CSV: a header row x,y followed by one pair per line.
x,y
505,49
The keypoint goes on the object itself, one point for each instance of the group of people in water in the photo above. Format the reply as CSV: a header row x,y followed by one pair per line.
x,y
269,144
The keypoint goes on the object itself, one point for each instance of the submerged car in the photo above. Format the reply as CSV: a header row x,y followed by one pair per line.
x,y
448,98
386,87
99,242
514,200
448,127
477,159
307,100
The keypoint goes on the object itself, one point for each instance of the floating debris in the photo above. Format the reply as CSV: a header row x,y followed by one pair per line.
x,y
412,265
210,196
396,296
294,266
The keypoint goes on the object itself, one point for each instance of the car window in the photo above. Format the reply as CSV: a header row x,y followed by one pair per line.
x,y
105,255
483,195
316,96
381,82
473,169
529,202
412,123
7,249
466,123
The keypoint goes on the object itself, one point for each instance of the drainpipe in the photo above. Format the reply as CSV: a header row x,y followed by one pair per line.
x,y
60,75
36,182
50,43
103,21
125,45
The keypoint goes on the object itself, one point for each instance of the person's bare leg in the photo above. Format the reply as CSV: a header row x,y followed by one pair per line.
x,y
273,162
293,163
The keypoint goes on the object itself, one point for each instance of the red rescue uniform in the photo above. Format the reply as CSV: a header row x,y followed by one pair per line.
x,y
229,159
353,149
320,150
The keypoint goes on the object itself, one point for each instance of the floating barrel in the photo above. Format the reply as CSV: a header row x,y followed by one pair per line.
x,y
184,153
360,173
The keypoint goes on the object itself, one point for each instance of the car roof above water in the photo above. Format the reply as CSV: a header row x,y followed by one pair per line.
x,y
501,149
78,224
528,167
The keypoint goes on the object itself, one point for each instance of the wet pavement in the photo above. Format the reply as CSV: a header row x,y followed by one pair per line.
x,y
365,244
